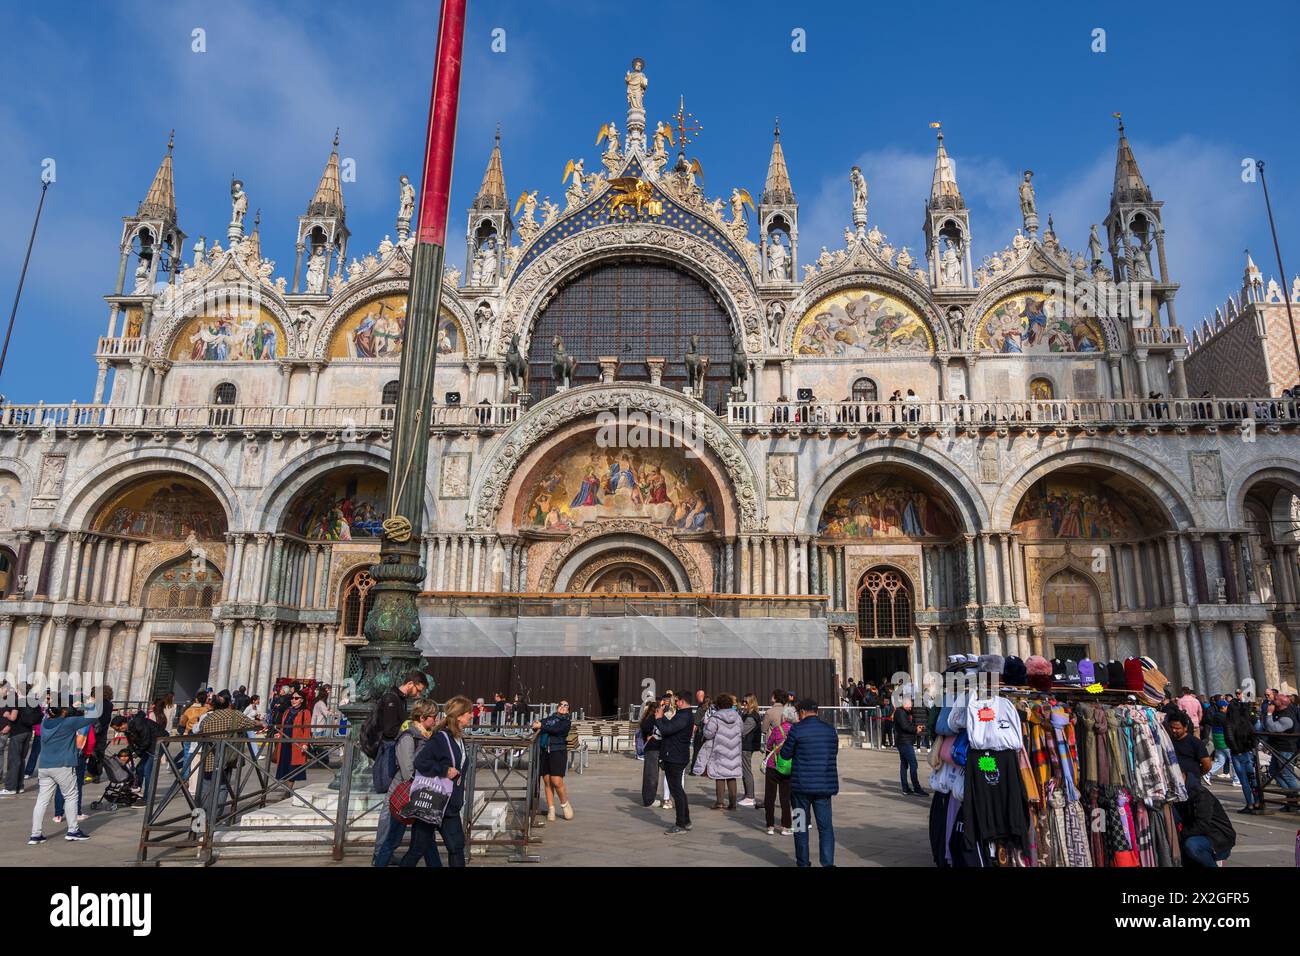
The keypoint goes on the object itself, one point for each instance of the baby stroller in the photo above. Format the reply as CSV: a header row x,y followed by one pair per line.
x,y
121,790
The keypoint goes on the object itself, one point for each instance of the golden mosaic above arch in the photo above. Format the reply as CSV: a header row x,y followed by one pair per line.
x,y
1032,322
857,322
230,333
377,329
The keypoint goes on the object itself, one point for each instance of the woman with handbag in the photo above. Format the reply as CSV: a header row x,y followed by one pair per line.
x,y
418,730
777,782
441,762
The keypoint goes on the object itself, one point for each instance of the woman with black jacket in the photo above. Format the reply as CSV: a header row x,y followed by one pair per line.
x,y
443,755
1239,735
650,768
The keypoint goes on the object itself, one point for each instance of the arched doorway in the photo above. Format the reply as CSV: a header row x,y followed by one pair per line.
x,y
1093,543
886,616
633,310
175,527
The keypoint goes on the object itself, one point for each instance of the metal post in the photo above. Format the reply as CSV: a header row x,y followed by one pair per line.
x,y
392,625
1277,250
22,276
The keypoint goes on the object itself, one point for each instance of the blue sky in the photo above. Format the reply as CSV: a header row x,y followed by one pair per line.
x,y
96,87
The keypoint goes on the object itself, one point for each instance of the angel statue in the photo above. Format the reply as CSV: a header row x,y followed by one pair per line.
x,y
739,199
609,131
528,202
573,171
663,133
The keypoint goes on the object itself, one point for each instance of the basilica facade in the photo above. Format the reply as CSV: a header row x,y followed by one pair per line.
x,y
669,444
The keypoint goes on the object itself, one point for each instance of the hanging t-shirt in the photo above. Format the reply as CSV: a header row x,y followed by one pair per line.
x,y
996,807
993,724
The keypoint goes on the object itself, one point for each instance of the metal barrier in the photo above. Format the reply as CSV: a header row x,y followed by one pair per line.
x,y
501,784
1280,762
193,813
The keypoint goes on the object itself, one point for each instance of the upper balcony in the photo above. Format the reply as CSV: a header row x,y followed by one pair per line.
x,y
912,417
1157,336
816,417
120,346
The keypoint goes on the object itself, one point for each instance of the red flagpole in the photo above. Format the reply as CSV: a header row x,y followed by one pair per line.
x,y
392,624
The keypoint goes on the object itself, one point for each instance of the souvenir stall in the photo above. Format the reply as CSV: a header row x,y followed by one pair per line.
x,y
1052,764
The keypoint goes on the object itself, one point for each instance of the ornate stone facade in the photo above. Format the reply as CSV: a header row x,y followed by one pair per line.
x,y
1021,455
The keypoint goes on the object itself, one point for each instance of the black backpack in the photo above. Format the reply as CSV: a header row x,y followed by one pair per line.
x,y
372,731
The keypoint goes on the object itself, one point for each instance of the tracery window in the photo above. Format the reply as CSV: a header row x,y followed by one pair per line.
x,y
183,588
884,605
356,603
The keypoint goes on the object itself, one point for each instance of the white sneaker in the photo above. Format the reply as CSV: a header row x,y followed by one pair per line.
x,y
771,831
666,804
8,793
786,831
746,802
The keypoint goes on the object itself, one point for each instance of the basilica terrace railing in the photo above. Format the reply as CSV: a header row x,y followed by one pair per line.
x,y
960,415
214,418
810,416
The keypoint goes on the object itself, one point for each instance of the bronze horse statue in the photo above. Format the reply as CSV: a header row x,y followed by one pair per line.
x,y
564,365
516,366
695,365
739,363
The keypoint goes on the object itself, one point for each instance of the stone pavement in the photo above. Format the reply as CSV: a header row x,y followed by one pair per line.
x,y
875,825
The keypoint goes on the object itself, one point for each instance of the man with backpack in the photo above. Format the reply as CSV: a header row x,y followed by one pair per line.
x,y
379,736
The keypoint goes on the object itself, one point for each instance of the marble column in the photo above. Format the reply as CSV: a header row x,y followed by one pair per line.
x,y
6,639
1182,641
262,684
239,674
103,644
35,625
992,639
55,662
1264,646
130,638
1240,659
77,657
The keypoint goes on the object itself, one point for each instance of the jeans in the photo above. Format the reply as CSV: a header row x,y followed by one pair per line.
x,y
1221,758
32,755
810,808
1198,850
674,773
1286,775
1244,765
392,840
142,771
907,761
17,757
81,780
423,847
50,779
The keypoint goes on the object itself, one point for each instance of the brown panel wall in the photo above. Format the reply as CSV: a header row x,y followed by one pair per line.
x,y
472,676
732,675
544,680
